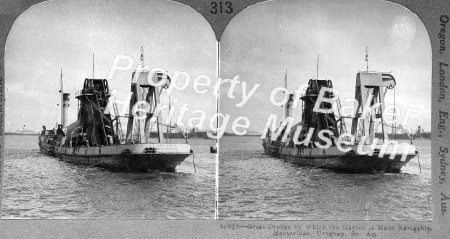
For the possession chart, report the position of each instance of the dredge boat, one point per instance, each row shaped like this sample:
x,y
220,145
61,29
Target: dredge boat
x,y
321,140
96,138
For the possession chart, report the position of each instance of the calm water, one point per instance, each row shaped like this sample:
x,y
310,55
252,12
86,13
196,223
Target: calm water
x,y
253,185
39,186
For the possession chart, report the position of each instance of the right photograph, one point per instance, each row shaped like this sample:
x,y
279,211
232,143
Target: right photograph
x,y
325,113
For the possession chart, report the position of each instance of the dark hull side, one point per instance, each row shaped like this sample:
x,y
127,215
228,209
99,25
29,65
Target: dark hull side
x,y
332,158
126,158
45,147
351,164
129,163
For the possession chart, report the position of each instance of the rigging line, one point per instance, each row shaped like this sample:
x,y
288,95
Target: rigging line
x,y
102,115
98,109
47,119
117,118
54,118
56,115
154,109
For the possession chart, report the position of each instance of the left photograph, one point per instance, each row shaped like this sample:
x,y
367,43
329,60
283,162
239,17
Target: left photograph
x,y
107,108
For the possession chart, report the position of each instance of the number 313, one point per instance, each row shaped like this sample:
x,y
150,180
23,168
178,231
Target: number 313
x,y
220,7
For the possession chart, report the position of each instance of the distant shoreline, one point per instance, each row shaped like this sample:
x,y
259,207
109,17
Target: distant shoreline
x,y
10,133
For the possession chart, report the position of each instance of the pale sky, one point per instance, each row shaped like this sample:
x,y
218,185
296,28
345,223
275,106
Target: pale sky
x,y
259,44
264,40
65,33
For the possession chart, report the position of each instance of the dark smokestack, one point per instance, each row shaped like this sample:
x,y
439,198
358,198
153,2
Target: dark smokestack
x,y
65,109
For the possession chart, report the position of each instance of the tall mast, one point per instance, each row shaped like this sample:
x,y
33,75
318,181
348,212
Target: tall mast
x,y
61,93
285,79
317,68
93,67
288,106
367,58
142,55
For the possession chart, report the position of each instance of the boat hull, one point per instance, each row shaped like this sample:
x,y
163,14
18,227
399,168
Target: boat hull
x,y
391,161
46,146
351,163
129,158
